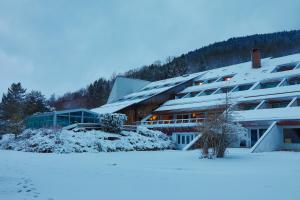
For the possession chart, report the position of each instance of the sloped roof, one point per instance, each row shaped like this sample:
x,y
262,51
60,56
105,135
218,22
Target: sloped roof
x,y
243,74
144,93
123,86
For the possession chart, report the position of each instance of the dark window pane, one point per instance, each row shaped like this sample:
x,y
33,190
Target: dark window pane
x,y
183,139
261,132
253,136
178,139
291,135
187,139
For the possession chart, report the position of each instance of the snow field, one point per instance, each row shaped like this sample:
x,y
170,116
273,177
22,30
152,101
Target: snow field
x,y
150,175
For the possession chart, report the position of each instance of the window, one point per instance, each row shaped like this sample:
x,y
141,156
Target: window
x,y
285,67
225,90
261,132
178,139
291,135
192,137
183,139
226,78
193,94
179,96
198,115
242,87
256,134
277,103
187,139
294,81
211,80
198,82
207,92
247,105
269,84
165,117
298,102
182,116
153,118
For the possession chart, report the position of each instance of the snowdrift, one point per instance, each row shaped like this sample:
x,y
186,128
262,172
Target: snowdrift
x,y
64,141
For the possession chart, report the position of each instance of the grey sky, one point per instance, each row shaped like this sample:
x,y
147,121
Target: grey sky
x,y
57,46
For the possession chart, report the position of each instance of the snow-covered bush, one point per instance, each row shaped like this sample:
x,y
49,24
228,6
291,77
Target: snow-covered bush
x,y
112,122
142,130
64,141
5,141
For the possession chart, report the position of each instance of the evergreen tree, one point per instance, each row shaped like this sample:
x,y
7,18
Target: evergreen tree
x,y
11,109
35,102
52,100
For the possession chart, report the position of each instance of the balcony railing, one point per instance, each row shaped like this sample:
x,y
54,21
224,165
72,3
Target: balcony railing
x,y
173,121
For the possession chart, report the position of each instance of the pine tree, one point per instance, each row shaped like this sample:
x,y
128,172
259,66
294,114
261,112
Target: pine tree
x,y
11,109
35,102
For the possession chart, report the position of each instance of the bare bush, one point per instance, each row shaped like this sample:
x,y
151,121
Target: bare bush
x,y
219,131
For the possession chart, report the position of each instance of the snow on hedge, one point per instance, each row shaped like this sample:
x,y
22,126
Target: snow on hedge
x,y
64,141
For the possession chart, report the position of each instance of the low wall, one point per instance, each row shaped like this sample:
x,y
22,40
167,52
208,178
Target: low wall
x,y
271,140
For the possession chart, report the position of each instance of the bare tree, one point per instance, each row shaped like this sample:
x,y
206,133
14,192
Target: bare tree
x,y
219,130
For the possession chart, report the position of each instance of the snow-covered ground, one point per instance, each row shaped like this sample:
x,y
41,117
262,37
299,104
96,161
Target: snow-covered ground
x,y
68,141
149,175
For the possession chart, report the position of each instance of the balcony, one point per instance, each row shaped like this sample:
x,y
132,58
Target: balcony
x,y
173,122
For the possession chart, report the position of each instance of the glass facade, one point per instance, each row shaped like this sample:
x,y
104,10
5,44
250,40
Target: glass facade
x,y
42,121
61,118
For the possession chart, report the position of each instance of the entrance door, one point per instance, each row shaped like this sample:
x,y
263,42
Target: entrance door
x,y
256,134
182,139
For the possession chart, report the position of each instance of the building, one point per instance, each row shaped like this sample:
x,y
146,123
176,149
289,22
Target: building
x,y
61,118
265,93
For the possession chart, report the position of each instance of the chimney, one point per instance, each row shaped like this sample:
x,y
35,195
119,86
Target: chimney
x,y
255,57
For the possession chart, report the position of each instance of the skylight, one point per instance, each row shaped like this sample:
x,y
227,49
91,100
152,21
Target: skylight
x,y
285,67
276,103
242,87
226,78
293,80
225,90
268,84
207,92
247,105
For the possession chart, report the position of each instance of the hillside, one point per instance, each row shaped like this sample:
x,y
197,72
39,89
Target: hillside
x,y
219,54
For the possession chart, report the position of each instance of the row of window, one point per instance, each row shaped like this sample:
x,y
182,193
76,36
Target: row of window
x,y
135,97
267,104
212,80
184,138
295,80
280,68
161,86
290,136
180,116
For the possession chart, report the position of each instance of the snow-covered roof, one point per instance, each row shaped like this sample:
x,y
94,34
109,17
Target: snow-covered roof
x,y
144,93
242,74
123,86
63,112
290,113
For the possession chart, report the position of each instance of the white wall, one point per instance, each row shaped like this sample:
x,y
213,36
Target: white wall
x,y
271,140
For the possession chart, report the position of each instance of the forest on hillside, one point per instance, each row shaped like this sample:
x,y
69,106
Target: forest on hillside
x,y
219,54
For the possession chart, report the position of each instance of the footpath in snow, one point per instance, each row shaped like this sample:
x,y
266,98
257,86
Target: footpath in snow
x,y
156,175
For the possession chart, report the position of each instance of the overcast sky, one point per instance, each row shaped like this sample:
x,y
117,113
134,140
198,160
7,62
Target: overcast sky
x,y
57,46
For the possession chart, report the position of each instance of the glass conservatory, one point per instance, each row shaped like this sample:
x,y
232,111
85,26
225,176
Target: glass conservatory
x,y
61,118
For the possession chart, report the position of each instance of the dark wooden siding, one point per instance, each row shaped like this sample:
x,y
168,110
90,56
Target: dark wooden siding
x,y
138,111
